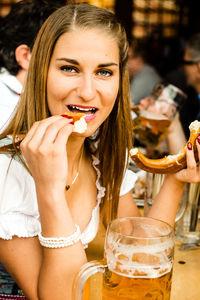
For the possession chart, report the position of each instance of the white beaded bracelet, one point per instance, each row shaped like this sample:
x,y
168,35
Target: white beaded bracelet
x,y
61,242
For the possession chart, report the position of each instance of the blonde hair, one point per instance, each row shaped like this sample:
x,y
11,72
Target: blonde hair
x,y
115,134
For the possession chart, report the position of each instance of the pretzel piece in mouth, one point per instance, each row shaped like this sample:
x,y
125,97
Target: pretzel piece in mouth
x,y
169,163
80,124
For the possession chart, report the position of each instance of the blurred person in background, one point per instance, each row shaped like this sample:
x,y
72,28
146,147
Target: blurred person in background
x,y
18,31
191,63
143,76
187,77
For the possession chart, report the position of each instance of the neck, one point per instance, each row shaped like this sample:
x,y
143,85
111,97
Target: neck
x,y
74,152
21,76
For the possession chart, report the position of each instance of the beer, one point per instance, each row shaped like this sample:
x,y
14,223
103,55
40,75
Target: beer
x,y
138,272
120,287
149,128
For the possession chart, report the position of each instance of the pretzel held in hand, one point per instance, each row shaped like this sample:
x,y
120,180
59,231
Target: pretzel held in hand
x,y
169,163
80,124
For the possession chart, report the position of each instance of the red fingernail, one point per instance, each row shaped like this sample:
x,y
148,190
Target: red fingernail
x,y
189,146
71,123
198,139
67,117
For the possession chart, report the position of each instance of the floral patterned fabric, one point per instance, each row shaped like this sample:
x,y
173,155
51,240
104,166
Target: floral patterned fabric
x,y
4,297
7,284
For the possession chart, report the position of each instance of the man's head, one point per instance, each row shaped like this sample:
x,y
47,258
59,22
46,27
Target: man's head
x,y
136,57
191,61
18,31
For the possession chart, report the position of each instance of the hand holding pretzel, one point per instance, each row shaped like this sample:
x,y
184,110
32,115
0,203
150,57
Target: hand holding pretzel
x,y
172,163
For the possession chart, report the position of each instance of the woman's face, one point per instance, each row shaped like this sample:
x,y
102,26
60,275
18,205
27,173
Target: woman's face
x,y
84,76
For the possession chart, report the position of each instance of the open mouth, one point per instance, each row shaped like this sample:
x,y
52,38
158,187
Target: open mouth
x,y
84,110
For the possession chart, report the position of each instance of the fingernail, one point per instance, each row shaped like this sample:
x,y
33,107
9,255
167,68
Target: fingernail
x,y
67,117
189,146
198,139
72,123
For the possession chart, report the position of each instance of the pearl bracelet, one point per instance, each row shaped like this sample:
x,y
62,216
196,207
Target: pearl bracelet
x,y
61,242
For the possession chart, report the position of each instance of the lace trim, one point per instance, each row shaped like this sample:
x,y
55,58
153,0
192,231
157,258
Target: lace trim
x,y
91,229
101,189
27,226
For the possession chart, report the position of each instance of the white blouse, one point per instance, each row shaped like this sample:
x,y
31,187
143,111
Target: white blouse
x,y
19,213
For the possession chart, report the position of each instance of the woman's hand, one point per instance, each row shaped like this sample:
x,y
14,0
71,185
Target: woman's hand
x,y
192,172
44,149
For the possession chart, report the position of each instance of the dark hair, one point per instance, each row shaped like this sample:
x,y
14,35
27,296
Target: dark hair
x,y
21,26
140,48
193,44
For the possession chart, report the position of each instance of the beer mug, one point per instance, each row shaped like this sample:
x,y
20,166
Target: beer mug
x,y
188,228
153,185
138,261
156,112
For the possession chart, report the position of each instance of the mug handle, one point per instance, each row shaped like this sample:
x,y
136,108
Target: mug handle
x,y
86,272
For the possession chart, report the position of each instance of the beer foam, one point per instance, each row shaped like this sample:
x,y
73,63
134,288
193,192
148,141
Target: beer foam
x,y
151,115
142,271
129,260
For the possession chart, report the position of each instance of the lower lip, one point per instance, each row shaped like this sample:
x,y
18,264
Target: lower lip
x,y
90,117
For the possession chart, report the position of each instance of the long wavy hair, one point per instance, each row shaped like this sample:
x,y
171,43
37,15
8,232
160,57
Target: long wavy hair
x,y
115,134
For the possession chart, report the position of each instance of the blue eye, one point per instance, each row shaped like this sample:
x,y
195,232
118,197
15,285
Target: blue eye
x,y
69,69
105,73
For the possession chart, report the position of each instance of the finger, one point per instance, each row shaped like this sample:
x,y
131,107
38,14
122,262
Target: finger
x,y
36,137
31,132
190,158
34,128
198,146
63,135
52,131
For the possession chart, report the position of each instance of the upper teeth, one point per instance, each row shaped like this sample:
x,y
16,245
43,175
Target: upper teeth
x,y
83,109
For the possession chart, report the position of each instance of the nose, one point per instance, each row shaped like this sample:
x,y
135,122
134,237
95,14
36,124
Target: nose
x,y
86,88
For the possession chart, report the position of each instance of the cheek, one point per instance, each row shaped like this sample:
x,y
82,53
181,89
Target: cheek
x,y
56,90
110,93
109,100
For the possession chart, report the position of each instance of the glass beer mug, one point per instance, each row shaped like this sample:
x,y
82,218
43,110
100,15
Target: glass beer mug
x,y
138,262
155,113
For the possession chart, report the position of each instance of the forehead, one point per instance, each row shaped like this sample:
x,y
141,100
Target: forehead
x,y
80,43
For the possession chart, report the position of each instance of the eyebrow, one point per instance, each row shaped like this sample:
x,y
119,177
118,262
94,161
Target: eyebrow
x,y
75,62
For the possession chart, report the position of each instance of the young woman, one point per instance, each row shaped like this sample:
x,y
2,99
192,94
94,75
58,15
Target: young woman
x,y
78,64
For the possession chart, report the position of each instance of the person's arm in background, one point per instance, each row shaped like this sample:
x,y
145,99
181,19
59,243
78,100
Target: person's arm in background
x,y
175,137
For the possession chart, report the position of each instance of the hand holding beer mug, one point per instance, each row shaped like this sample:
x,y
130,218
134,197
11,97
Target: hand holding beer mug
x,y
155,113
139,260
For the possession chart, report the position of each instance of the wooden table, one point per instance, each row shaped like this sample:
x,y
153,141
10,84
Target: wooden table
x,y
186,272
186,276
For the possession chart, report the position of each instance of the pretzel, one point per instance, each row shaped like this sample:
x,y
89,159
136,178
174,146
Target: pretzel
x,y
80,124
169,163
